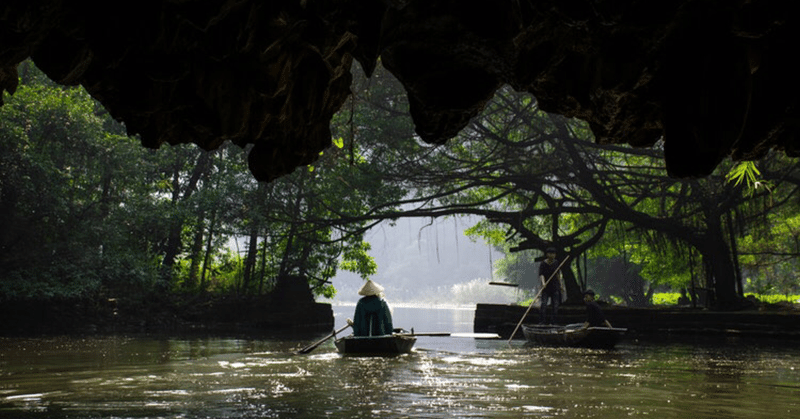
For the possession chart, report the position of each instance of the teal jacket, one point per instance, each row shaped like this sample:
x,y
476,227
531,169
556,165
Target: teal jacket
x,y
372,317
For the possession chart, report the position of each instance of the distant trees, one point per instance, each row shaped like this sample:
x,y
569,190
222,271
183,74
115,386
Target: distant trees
x,y
85,210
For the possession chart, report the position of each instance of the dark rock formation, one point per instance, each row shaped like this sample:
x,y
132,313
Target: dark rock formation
x,y
712,78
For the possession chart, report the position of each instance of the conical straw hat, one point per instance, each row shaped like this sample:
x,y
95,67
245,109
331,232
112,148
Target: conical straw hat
x,y
371,288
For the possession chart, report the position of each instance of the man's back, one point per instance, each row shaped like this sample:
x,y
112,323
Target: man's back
x,y
372,317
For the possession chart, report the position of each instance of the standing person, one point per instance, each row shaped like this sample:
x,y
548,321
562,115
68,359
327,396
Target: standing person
x,y
552,289
594,315
373,316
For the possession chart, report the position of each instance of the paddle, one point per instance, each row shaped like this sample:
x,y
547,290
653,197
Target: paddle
x,y
534,299
476,335
454,335
314,345
505,284
424,334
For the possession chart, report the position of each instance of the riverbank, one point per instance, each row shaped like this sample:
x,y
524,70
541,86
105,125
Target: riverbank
x,y
228,315
774,320
167,314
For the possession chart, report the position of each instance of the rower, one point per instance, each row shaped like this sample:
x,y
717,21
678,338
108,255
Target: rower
x,y
594,315
373,316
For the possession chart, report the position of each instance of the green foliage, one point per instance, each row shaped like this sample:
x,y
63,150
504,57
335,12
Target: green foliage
x,y
540,179
768,255
488,231
666,298
519,268
671,298
748,173
227,272
59,185
356,259
776,298
95,212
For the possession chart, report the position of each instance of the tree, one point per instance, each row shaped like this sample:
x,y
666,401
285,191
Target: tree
x,y
545,180
64,179
100,213
94,212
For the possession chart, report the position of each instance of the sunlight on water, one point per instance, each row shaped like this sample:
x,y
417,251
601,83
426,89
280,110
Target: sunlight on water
x,y
494,362
443,377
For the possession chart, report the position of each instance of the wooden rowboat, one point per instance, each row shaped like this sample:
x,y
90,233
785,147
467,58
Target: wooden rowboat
x,y
574,335
394,344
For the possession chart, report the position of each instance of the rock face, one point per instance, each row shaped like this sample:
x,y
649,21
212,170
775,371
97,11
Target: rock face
x,y
712,78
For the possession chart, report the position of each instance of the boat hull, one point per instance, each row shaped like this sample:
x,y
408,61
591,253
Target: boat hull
x,y
574,335
375,345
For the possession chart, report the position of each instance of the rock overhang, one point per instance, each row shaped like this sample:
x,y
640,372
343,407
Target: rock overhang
x,y
711,78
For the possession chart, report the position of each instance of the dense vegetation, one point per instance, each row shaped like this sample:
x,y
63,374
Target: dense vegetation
x,y
86,212
629,229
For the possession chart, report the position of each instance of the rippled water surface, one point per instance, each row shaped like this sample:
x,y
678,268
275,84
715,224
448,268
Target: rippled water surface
x,y
151,377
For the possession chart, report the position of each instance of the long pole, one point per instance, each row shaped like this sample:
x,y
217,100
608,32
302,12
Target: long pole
x,y
534,299
314,345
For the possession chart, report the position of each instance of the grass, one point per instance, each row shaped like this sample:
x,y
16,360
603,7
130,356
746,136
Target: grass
x,y
666,298
776,298
671,298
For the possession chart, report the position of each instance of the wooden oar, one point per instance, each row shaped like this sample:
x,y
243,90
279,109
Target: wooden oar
x,y
424,334
505,284
314,345
476,335
454,335
534,299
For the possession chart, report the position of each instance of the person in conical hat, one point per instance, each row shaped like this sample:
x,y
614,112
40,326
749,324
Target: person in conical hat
x,y
371,288
373,317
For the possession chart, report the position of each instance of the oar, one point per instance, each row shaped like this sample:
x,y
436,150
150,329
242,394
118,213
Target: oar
x,y
314,345
476,335
505,284
423,334
454,335
534,299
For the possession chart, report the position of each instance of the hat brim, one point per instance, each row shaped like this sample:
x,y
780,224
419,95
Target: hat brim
x,y
370,288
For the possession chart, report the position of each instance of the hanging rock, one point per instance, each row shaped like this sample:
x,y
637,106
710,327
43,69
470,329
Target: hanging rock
x,y
711,78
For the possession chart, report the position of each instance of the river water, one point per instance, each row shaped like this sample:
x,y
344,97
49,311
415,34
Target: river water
x,y
214,377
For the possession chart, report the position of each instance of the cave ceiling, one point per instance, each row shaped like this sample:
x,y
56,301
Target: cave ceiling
x,y
711,78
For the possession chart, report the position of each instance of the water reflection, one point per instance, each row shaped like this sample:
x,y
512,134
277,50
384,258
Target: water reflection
x,y
136,377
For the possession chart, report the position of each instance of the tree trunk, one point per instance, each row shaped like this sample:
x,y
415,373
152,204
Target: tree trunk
x,y
283,269
303,262
262,275
718,257
202,165
197,249
207,257
735,255
574,292
250,260
287,252
176,224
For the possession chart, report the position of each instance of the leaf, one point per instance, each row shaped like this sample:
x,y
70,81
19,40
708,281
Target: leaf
x,y
744,171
